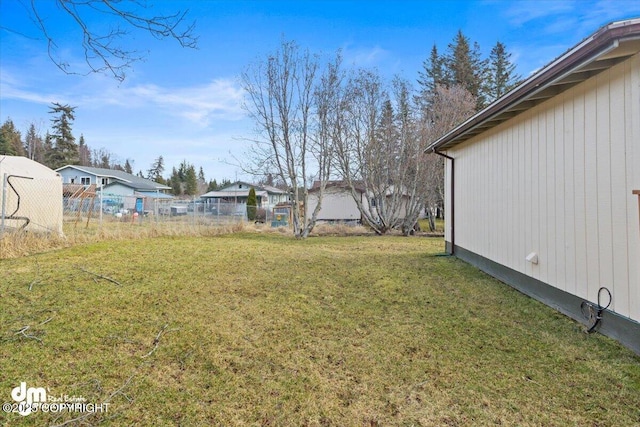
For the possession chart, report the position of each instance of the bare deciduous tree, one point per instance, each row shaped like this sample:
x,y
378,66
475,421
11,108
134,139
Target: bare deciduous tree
x,y
374,150
290,104
448,107
102,52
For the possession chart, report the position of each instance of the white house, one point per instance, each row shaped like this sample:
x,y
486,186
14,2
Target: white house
x,y
30,196
238,192
540,184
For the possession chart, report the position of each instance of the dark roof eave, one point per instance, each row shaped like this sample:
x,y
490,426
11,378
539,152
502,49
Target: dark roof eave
x,y
574,61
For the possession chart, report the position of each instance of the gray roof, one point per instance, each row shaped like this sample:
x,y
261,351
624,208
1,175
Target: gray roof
x,y
607,47
268,188
231,194
128,179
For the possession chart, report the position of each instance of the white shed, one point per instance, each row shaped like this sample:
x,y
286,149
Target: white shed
x,y
337,203
30,196
541,186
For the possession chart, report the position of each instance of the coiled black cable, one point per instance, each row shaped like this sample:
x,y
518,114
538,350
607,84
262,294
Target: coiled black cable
x,y
593,312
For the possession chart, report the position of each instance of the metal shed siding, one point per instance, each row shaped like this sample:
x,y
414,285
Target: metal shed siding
x,y
40,195
337,205
557,180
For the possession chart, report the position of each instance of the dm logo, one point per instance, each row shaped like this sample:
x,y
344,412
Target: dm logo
x,y
27,397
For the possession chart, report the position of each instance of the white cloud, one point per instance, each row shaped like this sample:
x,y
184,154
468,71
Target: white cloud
x,y
364,57
580,17
521,12
220,99
11,87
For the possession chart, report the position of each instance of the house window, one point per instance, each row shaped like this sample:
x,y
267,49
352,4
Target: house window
x,y
239,185
85,181
104,181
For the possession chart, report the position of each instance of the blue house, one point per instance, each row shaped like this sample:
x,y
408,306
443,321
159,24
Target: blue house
x,y
118,182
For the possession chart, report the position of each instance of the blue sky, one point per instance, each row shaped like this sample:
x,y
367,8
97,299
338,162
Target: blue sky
x,y
186,104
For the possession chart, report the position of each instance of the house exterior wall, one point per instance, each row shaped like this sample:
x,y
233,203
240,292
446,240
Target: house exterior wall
x,y
557,180
267,202
74,176
337,205
119,190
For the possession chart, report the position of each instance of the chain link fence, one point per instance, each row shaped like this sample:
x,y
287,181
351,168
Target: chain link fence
x,y
46,205
103,208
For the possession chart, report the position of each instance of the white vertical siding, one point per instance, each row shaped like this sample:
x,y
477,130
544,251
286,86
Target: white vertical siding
x,y
557,180
337,205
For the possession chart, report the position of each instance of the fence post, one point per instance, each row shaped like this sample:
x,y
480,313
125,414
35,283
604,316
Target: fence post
x,y
4,202
101,207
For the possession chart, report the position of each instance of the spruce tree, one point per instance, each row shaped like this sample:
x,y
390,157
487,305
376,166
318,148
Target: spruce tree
x,y
432,75
84,153
175,183
465,67
155,172
127,167
10,140
191,181
501,77
65,149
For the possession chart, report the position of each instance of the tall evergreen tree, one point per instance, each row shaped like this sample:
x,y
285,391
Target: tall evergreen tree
x,y
157,169
175,183
127,167
65,149
182,171
191,181
466,68
48,149
10,139
501,77
432,74
84,153
213,185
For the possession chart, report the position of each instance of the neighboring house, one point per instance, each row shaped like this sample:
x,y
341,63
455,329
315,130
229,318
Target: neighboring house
x,y
128,192
29,196
237,193
542,185
116,187
101,177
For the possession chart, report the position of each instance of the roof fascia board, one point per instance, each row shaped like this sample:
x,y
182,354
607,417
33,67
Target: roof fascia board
x,y
589,50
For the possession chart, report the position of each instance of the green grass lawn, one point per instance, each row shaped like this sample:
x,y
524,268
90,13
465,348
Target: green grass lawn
x,y
252,329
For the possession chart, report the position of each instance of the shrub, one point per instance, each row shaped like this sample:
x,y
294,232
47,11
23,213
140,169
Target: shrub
x,y
252,205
